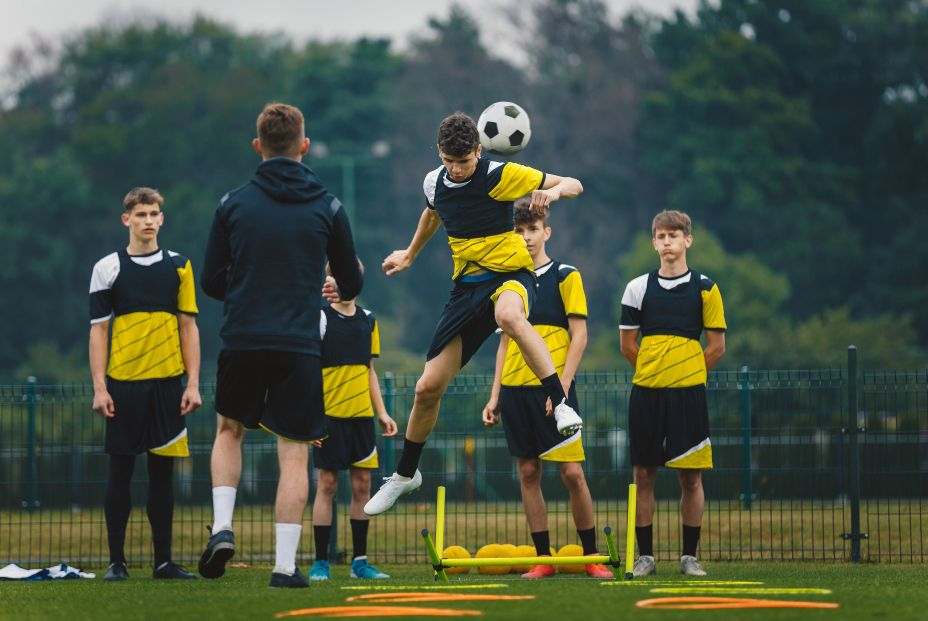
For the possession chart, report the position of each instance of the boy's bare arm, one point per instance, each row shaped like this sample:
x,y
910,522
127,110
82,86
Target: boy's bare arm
x,y
576,328
399,260
190,351
715,347
555,188
388,424
628,341
490,413
99,351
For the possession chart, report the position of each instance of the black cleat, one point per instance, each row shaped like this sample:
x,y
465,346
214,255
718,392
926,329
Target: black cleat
x,y
219,550
116,571
283,581
171,571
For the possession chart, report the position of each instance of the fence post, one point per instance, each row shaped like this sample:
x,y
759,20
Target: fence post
x,y
33,470
747,495
853,452
389,394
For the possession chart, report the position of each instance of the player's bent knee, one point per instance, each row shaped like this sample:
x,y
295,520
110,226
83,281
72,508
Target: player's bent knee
x,y
428,389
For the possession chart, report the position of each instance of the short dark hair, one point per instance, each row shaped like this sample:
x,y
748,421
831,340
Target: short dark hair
x,y
672,221
457,135
142,196
280,130
523,213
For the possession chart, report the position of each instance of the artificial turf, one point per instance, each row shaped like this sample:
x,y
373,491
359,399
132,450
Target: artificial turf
x,y
897,592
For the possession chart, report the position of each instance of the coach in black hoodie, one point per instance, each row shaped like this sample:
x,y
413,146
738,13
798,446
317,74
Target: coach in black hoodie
x,y
265,259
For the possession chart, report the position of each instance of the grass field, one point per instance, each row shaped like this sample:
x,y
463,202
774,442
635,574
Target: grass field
x,y
865,591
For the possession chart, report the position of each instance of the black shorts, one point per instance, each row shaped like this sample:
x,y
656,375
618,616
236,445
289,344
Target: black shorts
x,y
350,444
669,427
530,433
279,391
147,417
470,311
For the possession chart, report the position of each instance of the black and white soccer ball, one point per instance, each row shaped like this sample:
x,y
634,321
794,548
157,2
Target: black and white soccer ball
x,y
504,128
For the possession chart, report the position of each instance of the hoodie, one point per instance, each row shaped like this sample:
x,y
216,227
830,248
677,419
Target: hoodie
x,y
266,254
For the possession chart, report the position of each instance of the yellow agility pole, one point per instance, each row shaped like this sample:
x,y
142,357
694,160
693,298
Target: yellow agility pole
x,y
440,526
434,556
524,560
630,533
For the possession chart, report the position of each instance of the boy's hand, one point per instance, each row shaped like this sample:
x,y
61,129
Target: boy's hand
x,y
388,424
491,412
103,404
396,262
316,443
191,400
549,409
330,291
542,199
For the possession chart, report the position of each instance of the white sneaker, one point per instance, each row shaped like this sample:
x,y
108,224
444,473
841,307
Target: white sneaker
x,y
390,492
689,566
644,566
568,421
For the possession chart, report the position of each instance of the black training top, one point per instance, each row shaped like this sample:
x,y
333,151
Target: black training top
x,y
266,258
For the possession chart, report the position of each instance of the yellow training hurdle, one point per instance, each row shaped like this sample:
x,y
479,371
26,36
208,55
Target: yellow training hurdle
x,y
435,549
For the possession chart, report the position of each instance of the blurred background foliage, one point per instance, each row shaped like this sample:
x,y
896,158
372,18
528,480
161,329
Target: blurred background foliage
x,y
795,133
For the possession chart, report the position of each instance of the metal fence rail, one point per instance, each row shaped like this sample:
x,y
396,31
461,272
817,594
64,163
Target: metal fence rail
x,y
810,465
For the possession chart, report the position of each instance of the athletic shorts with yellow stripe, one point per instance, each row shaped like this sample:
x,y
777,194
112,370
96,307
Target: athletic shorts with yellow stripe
x,y
530,433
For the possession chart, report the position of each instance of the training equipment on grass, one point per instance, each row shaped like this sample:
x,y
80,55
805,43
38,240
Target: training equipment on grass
x,y
504,128
490,560
442,587
337,612
630,532
414,597
730,590
720,603
653,583
571,549
456,552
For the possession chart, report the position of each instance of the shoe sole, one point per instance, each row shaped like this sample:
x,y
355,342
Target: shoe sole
x,y
215,565
412,491
569,430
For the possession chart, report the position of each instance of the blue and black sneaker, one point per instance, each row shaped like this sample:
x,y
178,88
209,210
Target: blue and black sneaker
x,y
360,569
116,571
296,580
219,550
319,571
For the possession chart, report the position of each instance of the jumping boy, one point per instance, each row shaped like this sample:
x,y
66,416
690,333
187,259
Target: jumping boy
x,y
147,294
494,285
559,317
350,342
668,420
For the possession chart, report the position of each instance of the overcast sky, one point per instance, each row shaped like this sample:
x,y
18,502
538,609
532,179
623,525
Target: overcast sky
x,y
302,19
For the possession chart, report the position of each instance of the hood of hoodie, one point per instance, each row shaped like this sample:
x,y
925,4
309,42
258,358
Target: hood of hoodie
x,y
287,180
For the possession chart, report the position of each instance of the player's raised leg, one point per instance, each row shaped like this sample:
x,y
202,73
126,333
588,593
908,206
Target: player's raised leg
x,y
438,373
512,319
226,468
292,494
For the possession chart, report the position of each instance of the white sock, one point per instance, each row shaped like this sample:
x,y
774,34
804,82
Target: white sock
x,y
288,540
223,508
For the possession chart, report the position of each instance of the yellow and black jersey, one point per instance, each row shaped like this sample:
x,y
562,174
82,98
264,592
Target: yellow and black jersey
x,y
477,215
559,295
142,295
671,314
348,345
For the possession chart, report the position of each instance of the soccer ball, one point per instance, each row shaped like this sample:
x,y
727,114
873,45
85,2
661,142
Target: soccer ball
x,y
504,128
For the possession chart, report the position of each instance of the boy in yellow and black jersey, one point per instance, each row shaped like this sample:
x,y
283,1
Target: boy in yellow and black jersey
x,y
147,294
559,317
494,285
668,418
350,342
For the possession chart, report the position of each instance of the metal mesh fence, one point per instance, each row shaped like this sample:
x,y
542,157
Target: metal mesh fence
x,y
789,461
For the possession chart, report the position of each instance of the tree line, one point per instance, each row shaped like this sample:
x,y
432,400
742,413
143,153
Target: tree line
x,y
795,133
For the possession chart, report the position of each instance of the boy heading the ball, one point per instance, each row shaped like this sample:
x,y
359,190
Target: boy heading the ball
x,y
559,317
668,420
494,282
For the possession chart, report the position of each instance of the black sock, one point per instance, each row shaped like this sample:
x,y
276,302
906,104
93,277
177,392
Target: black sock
x,y
690,539
645,537
117,504
321,536
588,540
160,506
542,541
552,386
359,537
409,460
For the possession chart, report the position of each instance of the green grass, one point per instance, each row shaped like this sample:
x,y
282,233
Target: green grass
x,y
863,591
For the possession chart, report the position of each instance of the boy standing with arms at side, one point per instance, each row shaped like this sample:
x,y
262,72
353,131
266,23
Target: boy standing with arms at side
x,y
668,419
559,317
350,342
148,295
494,285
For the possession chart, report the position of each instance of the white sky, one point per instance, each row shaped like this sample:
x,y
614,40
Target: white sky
x,y
20,20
